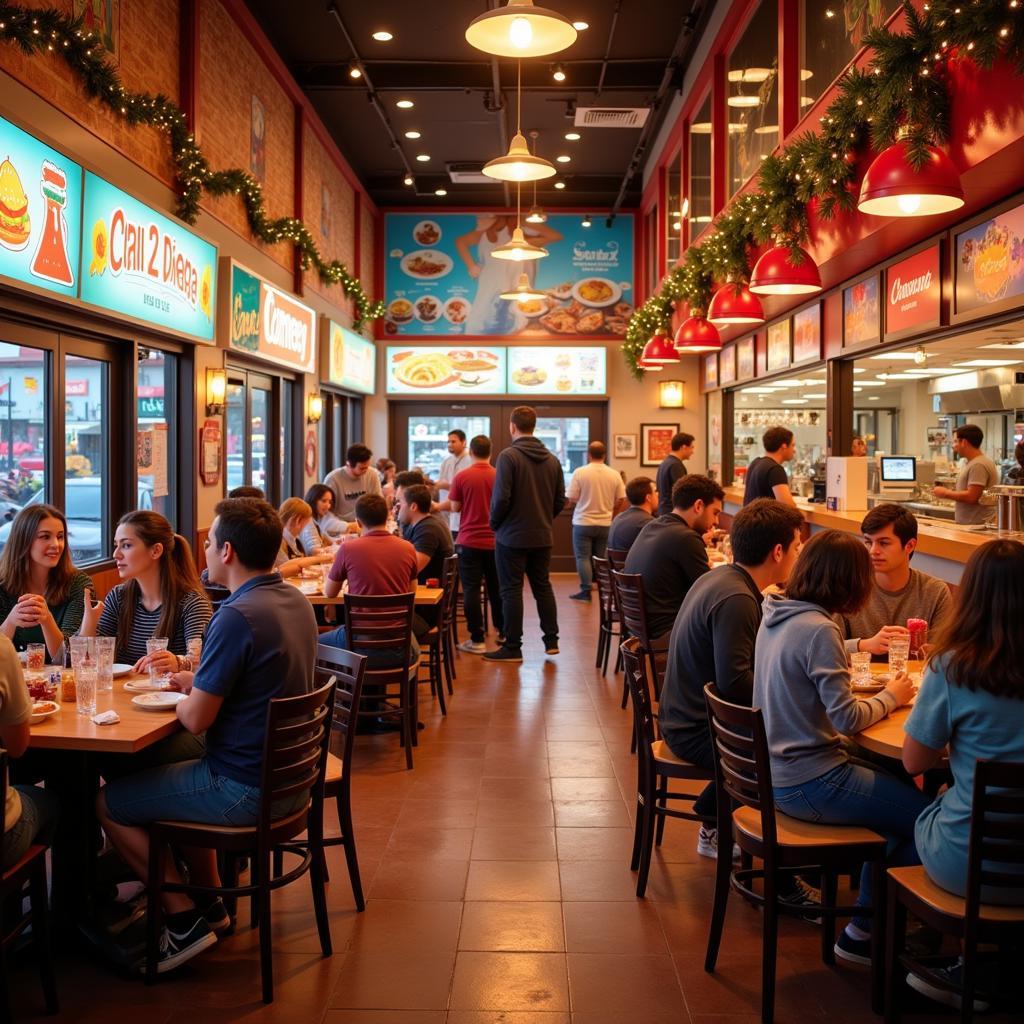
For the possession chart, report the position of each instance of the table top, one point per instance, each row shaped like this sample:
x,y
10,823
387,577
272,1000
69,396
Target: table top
x,y
68,730
425,596
886,737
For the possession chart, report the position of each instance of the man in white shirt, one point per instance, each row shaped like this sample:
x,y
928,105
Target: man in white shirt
x,y
457,459
598,494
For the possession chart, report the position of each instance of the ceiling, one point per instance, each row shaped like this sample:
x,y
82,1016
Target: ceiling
x,y
632,55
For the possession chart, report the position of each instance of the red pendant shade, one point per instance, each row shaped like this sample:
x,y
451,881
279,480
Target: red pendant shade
x,y
660,350
697,335
735,304
648,366
893,188
775,273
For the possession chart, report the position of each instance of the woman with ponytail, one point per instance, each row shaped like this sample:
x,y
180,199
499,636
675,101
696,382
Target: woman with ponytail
x,y
160,595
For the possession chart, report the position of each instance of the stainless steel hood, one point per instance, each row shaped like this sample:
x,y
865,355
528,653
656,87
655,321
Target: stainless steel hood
x,y
983,390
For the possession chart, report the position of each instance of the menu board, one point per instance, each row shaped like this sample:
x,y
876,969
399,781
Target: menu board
x,y
989,262
861,313
445,371
913,294
144,264
351,359
441,279
727,364
778,346
40,213
807,334
556,371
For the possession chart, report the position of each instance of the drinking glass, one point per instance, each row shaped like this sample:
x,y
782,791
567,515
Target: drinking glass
x,y
158,678
85,687
899,651
194,650
83,648
105,663
918,631
35,658
860,668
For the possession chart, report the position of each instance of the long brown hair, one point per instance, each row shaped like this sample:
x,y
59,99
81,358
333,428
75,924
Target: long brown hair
x,y
178,574
16,561
834,572
983,642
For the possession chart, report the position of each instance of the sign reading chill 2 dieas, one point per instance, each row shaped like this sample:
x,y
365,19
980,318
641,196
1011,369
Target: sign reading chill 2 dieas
x,y
144,264
270,324
40,212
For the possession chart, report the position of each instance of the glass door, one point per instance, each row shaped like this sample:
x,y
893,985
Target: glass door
x,y
257,431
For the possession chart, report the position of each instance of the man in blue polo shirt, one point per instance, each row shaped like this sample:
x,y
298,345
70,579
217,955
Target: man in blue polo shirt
x,y
261,644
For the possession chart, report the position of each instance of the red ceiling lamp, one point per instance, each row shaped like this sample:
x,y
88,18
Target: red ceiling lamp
x,y
659,350
734,303
776,272
893,187
649,366
697,334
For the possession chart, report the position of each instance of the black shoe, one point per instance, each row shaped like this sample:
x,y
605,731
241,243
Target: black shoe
x,y
510,654
801,897
944,984
854,951
217,917
175,949
551,648
583,595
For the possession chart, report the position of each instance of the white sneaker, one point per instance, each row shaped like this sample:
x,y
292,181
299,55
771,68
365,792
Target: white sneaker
x,y
707,844
470,647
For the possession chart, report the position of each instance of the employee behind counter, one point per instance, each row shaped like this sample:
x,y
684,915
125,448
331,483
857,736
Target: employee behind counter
x,y
978,474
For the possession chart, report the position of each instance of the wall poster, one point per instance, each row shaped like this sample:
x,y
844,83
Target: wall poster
x,y
807,334
656,442
727,365
710,371
988,263
778,346
861,313
746,354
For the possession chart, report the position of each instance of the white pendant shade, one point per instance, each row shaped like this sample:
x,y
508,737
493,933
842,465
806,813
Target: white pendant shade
x,y
519,164
536,215
523,292
518,249
521,29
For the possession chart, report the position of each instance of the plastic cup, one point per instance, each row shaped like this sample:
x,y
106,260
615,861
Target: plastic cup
x,y
860,667
158,678
105,663
435,583
85,688
918,630
35,658
899,652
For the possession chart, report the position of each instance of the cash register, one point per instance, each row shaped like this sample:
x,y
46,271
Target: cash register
x,y
897,477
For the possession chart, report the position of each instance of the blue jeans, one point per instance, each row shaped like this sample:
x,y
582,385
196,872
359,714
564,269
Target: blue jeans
x,y
587,541
857,793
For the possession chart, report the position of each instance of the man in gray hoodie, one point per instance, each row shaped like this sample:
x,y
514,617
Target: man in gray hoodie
x,y
529,491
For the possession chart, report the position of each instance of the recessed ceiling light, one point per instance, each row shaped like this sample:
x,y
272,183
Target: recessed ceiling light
x,y
677,225
407,180
405,104
559,184
423,157
805,74
743,100
558,73
702,219
815,396
412,135
987,362
1006,346
440,191
563,158
383,36
767,129
874,398
572,136
354,71
806,101
894,355
797,401
580,26
749,75
700,128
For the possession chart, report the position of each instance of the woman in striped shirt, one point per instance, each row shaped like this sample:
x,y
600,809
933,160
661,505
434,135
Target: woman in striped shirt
x,y
160,595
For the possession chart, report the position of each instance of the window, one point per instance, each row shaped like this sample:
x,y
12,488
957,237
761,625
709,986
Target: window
x,y
830,36
259,432
236,434
566,437
753,96
427,445
698,189
257,436
86,469
155,398
285,462
673,211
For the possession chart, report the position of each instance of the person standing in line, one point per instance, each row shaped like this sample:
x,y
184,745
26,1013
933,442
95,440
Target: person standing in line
x,y
598,494
642,496
529,491
672,468
351,481
457,459
765,476
470,497
977,475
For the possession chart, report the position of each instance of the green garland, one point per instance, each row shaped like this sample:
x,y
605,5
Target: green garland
x,y
906,84
51,31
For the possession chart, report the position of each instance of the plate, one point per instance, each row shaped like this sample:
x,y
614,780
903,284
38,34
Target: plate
x,y
426,264
142,685
50,708
427,232
428,309
596,292
122,670
165,700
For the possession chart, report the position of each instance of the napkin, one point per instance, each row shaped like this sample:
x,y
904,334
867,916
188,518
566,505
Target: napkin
x,y
107,718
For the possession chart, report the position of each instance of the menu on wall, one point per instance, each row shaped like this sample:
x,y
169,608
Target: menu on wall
x,y
778,346
144,264
351,359
444,370
989,264
861,313
441,278
913,293
565,371
807,334
40,212
269,323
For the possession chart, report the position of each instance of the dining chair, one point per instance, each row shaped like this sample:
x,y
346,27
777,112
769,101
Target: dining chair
x,y
995,856
30,871
436,645
616,559
294,763
785,845
608,628
656,765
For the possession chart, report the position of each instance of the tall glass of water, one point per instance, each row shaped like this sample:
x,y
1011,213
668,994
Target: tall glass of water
x,y
158,678
105,663
899,652
85,687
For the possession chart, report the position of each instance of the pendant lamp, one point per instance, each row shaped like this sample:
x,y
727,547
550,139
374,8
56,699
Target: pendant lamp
x,y
517,248
523,291
660,350
734,303
521,29
650,367
518,164
536,214
775,273
696,335
892,187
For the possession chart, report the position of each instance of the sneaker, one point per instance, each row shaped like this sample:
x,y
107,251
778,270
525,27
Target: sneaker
x,y
509,654
944,984
175,949
123,915
473,647
707,844
217,917
502,639
583,595
854,951
800,896
551,648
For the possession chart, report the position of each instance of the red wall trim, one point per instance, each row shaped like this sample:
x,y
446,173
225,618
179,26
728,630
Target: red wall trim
x,y
789,65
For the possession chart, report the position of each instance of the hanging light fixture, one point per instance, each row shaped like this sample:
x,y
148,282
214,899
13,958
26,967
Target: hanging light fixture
x,y
536,214
518,164
521,29
523,291
892,187
650,367
517,249
775,273
734,303
660,350
697,334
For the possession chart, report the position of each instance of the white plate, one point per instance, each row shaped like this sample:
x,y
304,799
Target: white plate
x,y
413,262
122,670
142,686
616,293
427,226
42,716
165,700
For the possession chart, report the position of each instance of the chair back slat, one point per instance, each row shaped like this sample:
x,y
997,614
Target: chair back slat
x,y
616,559
450,586
634,667
629,588
349,670
603,575
381,624
996,844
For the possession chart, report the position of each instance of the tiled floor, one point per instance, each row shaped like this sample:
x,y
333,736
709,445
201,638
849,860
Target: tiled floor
x,y
498,888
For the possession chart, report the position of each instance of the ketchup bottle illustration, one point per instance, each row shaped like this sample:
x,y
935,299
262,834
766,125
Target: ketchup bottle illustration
x,y
51,260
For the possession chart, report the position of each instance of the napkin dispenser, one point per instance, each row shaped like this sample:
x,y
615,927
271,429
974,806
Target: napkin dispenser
x,y
846,483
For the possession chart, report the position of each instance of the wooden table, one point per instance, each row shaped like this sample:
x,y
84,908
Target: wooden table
x,y
886,737
425,596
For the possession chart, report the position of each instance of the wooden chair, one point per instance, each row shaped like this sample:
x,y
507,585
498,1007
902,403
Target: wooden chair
x,y
656,766
30,870
616,559
995,855
608,626
382,625
617,563
294,764
436,645
784,844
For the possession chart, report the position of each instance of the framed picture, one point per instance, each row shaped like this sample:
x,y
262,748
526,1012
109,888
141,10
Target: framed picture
x,y
258,139
711,371
656,442
745,355
862,321
988,275
624,446
778,346
727,365
104,18
807,334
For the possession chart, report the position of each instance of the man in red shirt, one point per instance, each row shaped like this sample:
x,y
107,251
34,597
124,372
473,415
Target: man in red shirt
x,y
470,496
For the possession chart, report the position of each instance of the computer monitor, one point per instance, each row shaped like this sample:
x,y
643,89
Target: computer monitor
x,y
897,473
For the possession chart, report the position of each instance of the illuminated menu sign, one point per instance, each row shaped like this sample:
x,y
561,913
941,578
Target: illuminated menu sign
x,y
141,263
40,213
535,370
913,293
269,323
351,359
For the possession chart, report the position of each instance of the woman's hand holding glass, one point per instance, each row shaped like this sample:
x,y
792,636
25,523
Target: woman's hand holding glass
x,y
879,643
161,662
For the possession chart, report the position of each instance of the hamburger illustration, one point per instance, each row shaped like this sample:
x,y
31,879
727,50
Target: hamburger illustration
x,y
15,224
